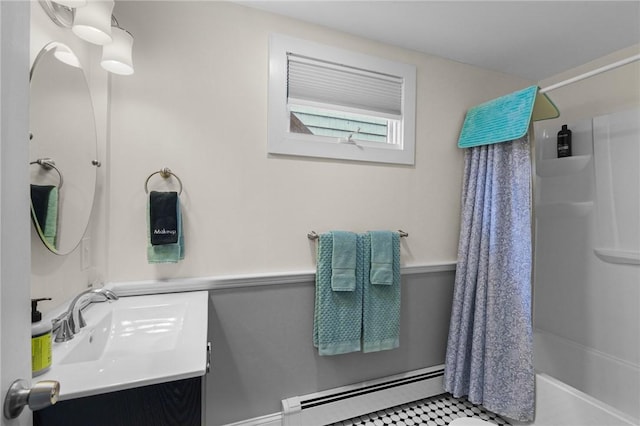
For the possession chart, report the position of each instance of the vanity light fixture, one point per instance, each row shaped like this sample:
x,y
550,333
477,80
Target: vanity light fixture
x,y
116,56
65,55
72,4
93,21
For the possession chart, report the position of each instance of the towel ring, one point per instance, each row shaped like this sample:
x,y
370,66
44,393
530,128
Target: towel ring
x,y
314,236
166,173
48,164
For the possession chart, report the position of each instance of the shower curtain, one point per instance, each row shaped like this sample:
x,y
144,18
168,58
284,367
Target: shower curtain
x,y
490,345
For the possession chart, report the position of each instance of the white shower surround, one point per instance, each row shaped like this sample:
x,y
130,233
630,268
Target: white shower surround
x,y
586,306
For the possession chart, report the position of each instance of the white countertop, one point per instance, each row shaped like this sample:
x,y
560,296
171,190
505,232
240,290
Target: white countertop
x,y
131,342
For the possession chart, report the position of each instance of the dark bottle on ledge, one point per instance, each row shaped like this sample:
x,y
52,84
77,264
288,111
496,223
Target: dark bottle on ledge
x,y
564,142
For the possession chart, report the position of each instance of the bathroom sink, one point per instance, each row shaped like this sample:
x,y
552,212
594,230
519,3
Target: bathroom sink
x,y
131,342
91,342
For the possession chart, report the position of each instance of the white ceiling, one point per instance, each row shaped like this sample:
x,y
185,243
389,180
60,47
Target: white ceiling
x,y
530,39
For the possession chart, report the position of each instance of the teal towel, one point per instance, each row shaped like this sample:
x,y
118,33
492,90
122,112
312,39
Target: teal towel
x,y
44,209
381,257
343,262
337,320
166,253
381,305
499,120
50,230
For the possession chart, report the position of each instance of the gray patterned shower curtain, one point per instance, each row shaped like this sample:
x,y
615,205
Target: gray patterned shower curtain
x,y
490,348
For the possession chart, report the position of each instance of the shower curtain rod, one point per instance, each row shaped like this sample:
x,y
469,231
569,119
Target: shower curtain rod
x,y
586,75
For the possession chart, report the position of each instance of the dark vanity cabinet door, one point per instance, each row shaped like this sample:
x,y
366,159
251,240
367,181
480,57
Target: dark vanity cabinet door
x,y
176,403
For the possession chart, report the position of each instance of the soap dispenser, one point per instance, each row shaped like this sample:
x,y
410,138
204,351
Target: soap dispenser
x,y
40,340
564,142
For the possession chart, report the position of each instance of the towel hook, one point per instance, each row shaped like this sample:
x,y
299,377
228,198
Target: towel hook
x,y
48,164
166,173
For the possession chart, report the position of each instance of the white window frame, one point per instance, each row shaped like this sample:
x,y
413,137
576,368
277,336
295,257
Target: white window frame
x,y
281,141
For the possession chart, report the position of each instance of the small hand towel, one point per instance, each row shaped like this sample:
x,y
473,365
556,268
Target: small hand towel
x,y
163,217
381,257
168,229
343,261
44,202
337,321
381,304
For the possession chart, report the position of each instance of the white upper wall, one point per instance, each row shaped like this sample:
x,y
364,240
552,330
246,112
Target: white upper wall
x,y
197,104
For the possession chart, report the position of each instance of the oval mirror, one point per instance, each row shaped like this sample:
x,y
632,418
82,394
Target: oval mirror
x,y
63,148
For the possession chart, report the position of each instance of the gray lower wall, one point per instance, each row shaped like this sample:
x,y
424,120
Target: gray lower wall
x,y
263,351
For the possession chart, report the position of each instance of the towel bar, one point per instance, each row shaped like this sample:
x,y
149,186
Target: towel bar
x,y
314,236
165,172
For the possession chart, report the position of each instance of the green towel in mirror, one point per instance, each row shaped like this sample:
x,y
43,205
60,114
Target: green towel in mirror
x,y
44,205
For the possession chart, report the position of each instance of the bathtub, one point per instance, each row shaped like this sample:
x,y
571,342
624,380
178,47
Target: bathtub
x,y
558,404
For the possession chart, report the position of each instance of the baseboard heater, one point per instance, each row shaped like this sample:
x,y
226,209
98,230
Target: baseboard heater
x,y
343,403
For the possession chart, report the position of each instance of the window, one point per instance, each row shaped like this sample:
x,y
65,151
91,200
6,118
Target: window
x,y
332,103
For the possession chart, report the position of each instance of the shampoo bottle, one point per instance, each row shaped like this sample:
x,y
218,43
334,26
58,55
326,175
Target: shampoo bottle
x,y
564,142
40,340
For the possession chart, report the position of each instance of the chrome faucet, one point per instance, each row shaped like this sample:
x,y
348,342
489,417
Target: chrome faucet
x,y
70,323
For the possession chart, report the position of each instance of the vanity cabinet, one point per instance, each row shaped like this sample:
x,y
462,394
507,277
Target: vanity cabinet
x,y
165,404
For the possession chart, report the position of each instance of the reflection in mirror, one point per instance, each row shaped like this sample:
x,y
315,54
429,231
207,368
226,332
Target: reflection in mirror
x,y
63,148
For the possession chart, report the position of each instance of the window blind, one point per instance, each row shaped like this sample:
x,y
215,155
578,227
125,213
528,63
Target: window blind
x,y
315,80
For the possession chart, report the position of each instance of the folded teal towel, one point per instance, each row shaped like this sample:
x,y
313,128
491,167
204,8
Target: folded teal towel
x,y
337,320
343,261
381,304
381,257
166,253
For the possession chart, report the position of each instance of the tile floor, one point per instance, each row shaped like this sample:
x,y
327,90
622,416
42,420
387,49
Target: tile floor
x,y
438,410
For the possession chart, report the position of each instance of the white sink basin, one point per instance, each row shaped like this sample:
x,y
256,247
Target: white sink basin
x,y
133,341
91,342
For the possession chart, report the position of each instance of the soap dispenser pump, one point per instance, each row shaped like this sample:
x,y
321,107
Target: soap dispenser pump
x,y
40,340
